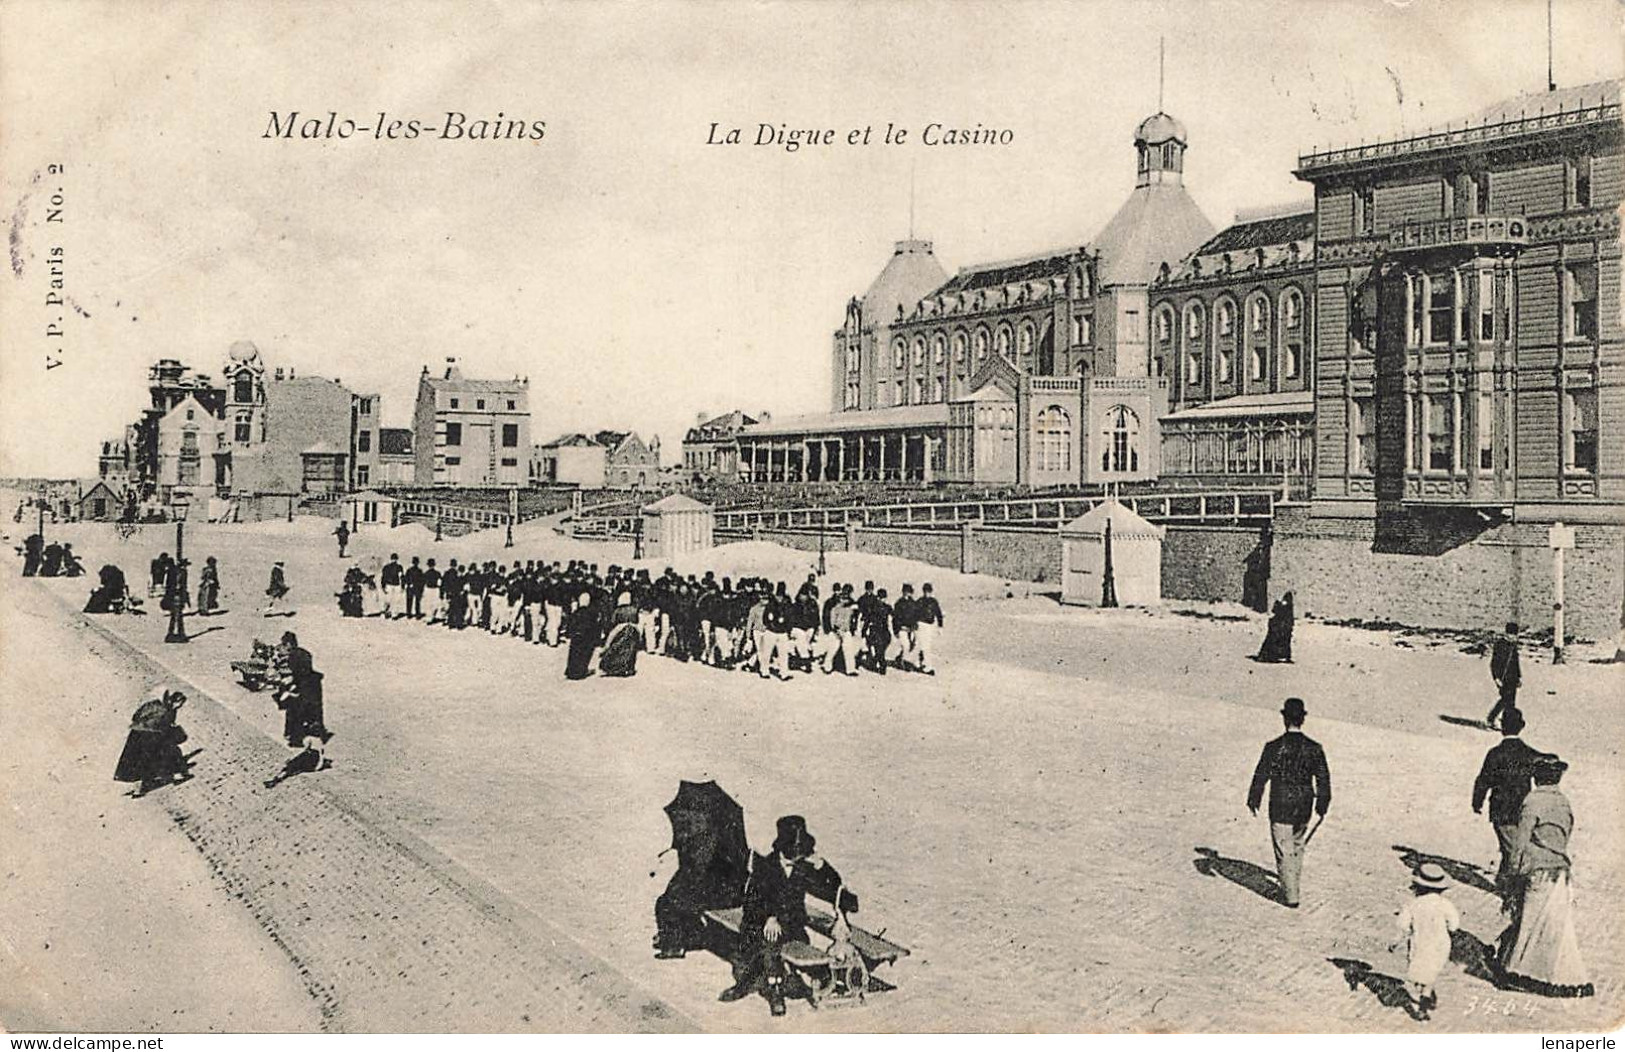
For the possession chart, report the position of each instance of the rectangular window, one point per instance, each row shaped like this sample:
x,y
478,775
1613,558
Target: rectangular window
x,y
1365,439
510,436
1440,306
1132,333
1464,311
1481,193
1581,279
1294,360
366,407
1580,182
1413,298
362,474
510,462
241,431
453,461
919,390
511,403
1365,210
454,403
479,403
1438,432
1413,432
899,396
1486,306
363,442
98,507
454,434
1447,197
1255,368
1486,431
1582,444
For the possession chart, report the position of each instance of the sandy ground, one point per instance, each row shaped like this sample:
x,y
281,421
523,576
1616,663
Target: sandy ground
x,y
109,919
1054,825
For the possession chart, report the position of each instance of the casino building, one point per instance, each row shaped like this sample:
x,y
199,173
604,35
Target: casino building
x,y
1034,371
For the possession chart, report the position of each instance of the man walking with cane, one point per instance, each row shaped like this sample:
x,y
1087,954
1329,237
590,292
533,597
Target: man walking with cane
x,y
1294,767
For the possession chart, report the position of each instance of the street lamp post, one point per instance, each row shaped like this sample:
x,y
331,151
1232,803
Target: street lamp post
x,y
176,587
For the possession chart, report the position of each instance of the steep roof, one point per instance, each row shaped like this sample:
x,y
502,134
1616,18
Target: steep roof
x,y
910,274
1241,237
1158,224
997,275
574,439
676,502
1125,522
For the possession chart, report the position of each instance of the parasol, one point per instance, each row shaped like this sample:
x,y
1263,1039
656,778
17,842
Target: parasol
x,y
708,834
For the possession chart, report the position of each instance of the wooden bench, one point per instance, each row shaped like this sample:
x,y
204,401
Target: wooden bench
x,y
825,974
255,671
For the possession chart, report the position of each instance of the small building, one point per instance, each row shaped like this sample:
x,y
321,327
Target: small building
x,y
675,525
369,508
101,503
1135,561
711,447
629,462
569,460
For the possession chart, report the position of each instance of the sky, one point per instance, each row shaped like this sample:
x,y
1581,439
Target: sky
x,y
638,275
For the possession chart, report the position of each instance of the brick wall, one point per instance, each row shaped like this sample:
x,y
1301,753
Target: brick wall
x,y
1503,574
1206,564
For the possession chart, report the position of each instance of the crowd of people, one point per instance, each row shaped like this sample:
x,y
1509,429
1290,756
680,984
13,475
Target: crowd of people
x,y
49,560
754,624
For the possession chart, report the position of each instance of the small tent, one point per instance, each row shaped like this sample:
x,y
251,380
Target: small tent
x,y
677,524
1111,556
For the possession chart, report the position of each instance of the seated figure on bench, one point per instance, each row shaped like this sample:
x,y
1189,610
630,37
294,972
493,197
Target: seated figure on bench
x,y
775,909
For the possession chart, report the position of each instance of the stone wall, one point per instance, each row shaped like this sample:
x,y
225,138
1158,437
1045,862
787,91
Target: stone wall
x,y
1502,574
1203,563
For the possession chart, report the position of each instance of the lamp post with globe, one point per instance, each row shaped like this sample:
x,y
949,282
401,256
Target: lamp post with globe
x,y
176,586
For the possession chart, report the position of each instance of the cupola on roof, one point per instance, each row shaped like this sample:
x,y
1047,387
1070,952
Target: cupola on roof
x,y
1158,129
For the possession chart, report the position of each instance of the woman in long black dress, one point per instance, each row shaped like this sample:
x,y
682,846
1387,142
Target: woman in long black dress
x,y
152,750
208,587
1277,646
581,624
620,657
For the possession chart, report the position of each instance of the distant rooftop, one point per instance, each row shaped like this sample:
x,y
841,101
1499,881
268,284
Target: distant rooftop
x,y
1512,118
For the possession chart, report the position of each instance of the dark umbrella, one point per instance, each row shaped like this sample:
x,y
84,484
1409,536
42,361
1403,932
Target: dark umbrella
x,y
708,834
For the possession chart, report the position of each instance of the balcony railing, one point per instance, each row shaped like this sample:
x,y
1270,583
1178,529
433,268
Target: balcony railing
x,y
1463,232
1602,112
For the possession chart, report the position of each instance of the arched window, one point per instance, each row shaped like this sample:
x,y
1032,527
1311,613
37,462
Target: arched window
x,y
1224,318
244,391
919,350
1120,448
1024,342
1001,341
960,342
897,354
1193,322
1291,308
1163,324
939,349
981,345
1258,314
1054,433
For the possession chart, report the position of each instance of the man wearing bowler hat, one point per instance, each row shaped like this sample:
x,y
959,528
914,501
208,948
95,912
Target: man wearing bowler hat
x,y
1294,766
775,909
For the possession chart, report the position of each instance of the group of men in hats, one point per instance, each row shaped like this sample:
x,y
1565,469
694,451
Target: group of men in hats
x,y
754,624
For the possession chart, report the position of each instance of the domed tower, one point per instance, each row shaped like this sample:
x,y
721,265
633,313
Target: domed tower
x,y
1160,141
245,394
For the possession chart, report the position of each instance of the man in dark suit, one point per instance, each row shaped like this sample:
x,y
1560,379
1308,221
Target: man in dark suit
x,y
1505,779
775,908
1506,672
1294,766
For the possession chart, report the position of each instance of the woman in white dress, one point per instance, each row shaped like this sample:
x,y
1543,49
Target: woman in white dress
x,y
1541,952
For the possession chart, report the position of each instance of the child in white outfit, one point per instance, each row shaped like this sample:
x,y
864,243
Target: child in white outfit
x,y
1427,921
